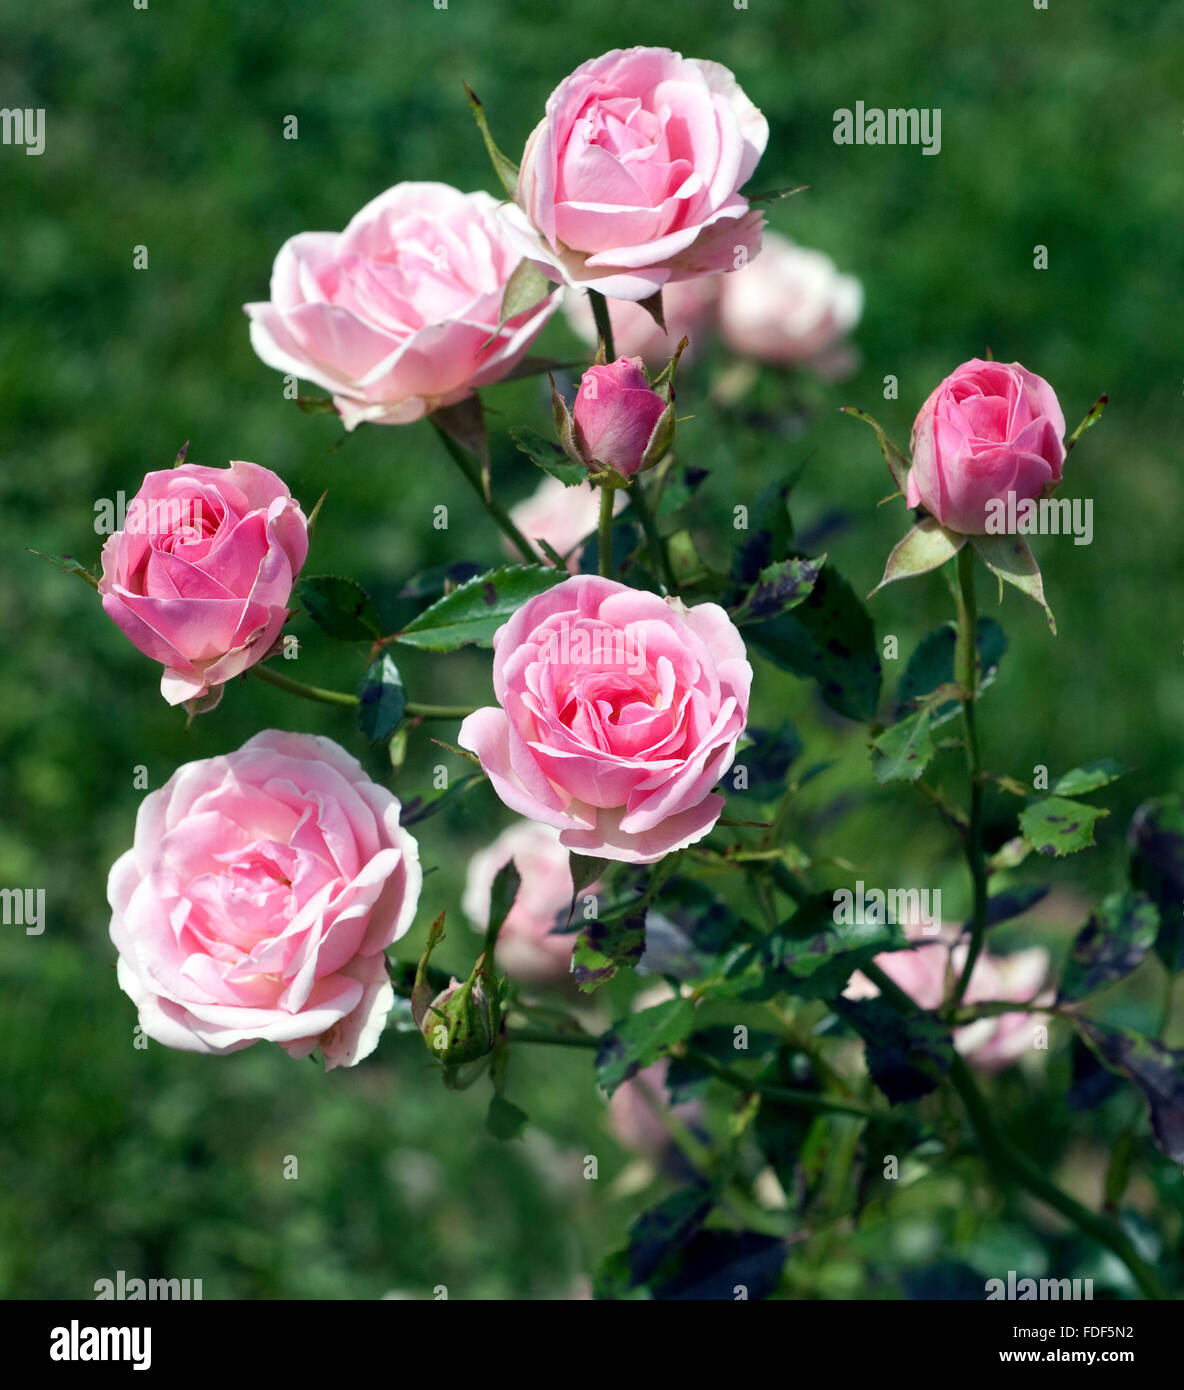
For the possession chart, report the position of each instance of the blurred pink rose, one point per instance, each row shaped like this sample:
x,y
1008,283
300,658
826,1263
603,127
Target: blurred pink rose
x,y
634,1111
616,414
619,712
257,900
562,516
790,305
688,307
394,315
200,577
988,1043
988,429
526,949
630,181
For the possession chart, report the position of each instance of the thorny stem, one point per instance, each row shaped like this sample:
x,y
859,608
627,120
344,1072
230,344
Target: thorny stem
x,y
343,697
966,675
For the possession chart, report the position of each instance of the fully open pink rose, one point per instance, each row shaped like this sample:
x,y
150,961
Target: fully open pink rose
x,y
615,415
527,949
398,315
630,180
988,429
200,577
688,307
258,898
790,305
989,1043
562,516
619,712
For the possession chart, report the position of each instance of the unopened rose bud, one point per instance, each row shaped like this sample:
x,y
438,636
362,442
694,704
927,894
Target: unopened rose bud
x,y
463,1022
619,420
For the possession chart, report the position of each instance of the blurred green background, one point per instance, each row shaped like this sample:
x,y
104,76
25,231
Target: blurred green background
x,y
164,128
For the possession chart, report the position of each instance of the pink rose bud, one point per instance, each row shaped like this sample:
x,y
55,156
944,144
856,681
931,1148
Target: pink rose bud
x,y
399,314
616,418
618,713
463,1022
258,899
631,180
201,575
989,429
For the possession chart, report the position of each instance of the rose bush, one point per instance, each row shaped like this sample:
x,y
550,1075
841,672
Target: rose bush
x,y
201,576
258,899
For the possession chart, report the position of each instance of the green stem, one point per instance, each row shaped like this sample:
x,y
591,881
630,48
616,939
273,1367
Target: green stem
x,y
495,509
604,535
654,538
604,326
786,1095
546,1036
1020,1167
966,674
342,697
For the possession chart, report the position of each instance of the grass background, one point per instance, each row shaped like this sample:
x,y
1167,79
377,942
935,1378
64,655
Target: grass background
x,y
1060,128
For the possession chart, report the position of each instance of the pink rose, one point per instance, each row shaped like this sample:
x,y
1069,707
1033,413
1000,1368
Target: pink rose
x,y
988,429
200,577
989,1043
396,314
688,307
616,416
562,516
526,948
257,900
630,181
790,305
620,711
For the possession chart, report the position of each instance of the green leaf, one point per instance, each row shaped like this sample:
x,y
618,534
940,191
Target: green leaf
x,y
1089,777
903,752
1058,826
68,565
828,638
475,611
717,1263
1156,841
526,287
678,487
503,894
932,665
504,1119
505,169
463,424
898,464
1111,944
661,1232
770,531
1092,416
781,586
382,701
926,547
1157,1071
640,1039
340,607
1010,558
549,456
603,948
907,1054
418,810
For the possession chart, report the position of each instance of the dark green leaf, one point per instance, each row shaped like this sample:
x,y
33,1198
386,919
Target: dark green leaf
x,y
506,884
1012,902
640,1039
382,700
781,586
767,756
907,1054
1156,841
1110,945
504,1119
769,534
658,1234
726,1265
526,287
67,565
828,638
678,488
1058,826
932,665
1089,777
602,948
1157,1071
903,752
549,456
340,607
475,611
